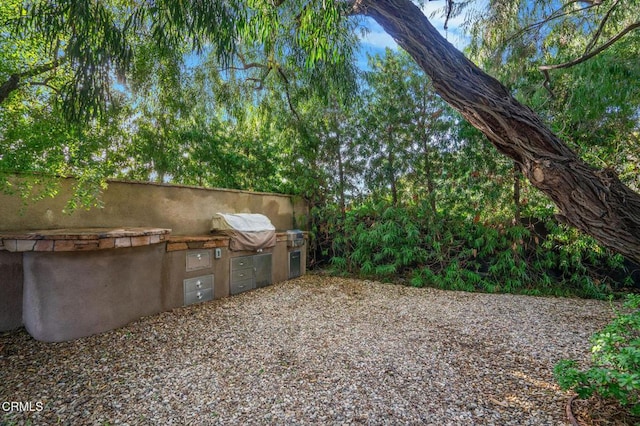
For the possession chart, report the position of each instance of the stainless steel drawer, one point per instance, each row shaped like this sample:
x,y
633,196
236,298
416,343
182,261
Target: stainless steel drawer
x,y
241,262
198,296
200,259
240,286
198,283
242,274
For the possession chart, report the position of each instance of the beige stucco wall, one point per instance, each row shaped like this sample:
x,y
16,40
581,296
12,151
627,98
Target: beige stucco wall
x,y
68,295
11,278
185,210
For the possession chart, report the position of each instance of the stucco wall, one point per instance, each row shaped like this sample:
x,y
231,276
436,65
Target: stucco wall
x,y
76,294
10,290
185,210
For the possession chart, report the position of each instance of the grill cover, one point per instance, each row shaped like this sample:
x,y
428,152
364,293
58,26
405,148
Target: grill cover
x,y
248,231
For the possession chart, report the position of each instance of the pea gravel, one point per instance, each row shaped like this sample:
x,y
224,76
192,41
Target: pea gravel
x,y
314,350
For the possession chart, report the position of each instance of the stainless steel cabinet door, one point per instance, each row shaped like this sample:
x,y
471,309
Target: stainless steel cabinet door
x,y
262,264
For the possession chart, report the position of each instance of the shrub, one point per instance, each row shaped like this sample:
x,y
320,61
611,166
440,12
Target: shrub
x,y
439,249
615,373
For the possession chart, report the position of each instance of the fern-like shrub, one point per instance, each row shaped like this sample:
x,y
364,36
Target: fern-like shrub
x,y
453,252
381,243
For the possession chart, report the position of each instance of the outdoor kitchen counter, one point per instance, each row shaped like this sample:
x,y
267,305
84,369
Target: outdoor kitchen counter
x,y
82,281
80,239
190,242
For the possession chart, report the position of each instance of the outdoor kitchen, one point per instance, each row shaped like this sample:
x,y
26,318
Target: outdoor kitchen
x,y
149,248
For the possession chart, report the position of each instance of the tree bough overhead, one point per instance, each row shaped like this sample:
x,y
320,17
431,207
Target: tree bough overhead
x,y
594,201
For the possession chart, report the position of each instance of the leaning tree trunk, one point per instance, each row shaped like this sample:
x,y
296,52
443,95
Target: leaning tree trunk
x,y
594,201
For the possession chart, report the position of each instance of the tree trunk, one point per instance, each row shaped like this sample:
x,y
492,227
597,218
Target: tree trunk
x,y
9,86
431,187
341,179
426,158
391,166
341,174
594,201
516,193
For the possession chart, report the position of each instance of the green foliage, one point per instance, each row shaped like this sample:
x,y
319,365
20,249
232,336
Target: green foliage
x,y
448,252
447,215
98,38
615,370
264,96
385,245
584,103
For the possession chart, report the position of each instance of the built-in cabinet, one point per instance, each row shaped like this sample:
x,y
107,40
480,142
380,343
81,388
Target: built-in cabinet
x,y
295,265
198,259
262,268
249,272
241,274
200,288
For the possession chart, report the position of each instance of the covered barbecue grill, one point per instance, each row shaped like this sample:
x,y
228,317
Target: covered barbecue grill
x,y
247,231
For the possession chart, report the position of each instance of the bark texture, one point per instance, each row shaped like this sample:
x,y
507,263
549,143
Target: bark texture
x,y
594,201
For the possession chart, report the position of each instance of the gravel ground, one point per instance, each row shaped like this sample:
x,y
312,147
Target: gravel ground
x,y
314,350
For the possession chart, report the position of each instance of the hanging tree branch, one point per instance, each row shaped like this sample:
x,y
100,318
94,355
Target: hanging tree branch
x,y
560,13
593,53
588,54
286,83
260,81
598,32
246,65
449,12
45,83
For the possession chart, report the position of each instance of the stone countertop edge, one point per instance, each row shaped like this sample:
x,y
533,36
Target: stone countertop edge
x,y
219,235
215,239
81,239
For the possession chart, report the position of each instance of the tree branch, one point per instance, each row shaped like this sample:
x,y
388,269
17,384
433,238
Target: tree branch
x,y
593,53
449,11
248,66
13,83
555,15
596,36
259,82
45,84
286,83
547,83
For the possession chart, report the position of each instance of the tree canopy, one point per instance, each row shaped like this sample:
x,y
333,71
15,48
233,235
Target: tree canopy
x,y
89,68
